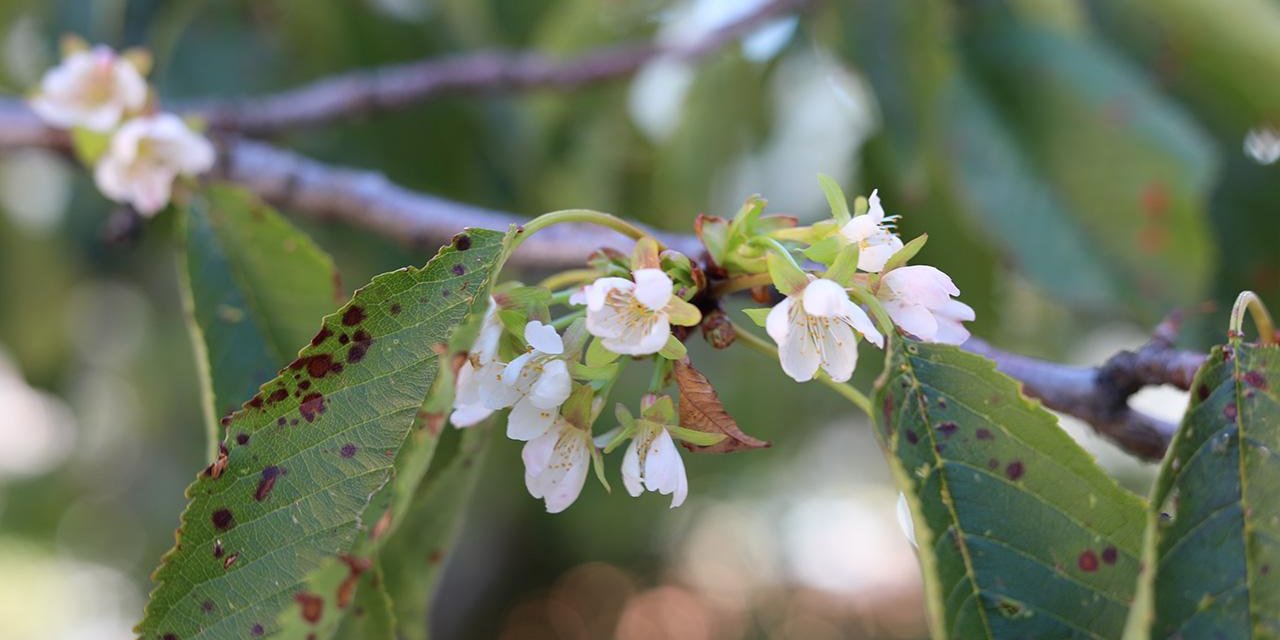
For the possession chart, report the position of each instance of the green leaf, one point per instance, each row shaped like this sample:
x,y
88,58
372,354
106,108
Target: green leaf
x,y
673,349
906,253
377,618
835,198
1020,534
787,277
253,286
696,438
1214,521
826,249
318,442
758,316
422,544
1081,170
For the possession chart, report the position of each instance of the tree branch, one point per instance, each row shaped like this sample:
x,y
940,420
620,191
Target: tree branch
x,y
399,86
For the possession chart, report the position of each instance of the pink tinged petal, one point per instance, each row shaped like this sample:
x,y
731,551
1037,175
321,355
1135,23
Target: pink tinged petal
x,y
824,298
544,338
839,352
631,474
873,257
579,297
914,319
537,455
528,421
778,323
568,473
863,324
955,310
151,190
109,178
951,332
552,387
653,288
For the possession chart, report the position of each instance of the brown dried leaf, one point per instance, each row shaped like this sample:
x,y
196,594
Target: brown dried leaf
x,y
701,410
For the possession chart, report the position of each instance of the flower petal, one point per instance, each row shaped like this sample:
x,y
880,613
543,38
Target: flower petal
x,y
527,421
543,337
824,298
631,474
552,387
914,319
855,316
799,356
778,323
653,288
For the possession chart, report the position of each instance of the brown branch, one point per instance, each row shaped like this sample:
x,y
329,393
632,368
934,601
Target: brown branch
x,y
399,86
1100,395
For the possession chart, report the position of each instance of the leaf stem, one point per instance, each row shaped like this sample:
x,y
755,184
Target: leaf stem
x,y
758,344
567,278
863,295
1261,317
589,216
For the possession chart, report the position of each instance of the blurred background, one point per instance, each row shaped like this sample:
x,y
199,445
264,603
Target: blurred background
x,y
1082,167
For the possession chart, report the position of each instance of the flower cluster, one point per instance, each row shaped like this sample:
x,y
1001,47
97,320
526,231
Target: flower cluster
x,y
103,99
553,375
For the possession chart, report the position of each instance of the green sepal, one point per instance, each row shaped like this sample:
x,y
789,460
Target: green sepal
x,y
744,222
905,254
660,409
577,409
598,355
89,145
645,254
713,231
835,199
759,316
597,464
673,349
786,276
514,321
826,249
845,265
585,372
575,337
695,438
682,313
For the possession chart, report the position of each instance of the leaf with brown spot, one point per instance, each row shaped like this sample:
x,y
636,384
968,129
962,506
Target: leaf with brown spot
x,y
701,410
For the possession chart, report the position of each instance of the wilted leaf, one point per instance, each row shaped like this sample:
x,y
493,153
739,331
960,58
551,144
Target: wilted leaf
x,y
306,454
1020,534
701,410
1213,543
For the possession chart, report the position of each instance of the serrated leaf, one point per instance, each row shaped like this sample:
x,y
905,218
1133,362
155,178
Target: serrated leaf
x,y
253,286
423,543
1213,539
701,410
1020,534
320,440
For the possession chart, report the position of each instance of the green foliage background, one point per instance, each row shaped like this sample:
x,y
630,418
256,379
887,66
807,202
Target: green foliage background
x,y
1076,163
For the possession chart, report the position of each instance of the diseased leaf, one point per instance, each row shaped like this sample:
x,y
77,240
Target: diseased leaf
x,y
372,617
701,410
253,286
422,544
305,455
1020,534
1213,543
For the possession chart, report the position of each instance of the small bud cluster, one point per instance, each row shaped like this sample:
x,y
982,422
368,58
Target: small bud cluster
x,y
137,152
554,374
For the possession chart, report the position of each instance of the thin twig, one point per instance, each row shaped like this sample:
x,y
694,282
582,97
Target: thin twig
x,y
399,86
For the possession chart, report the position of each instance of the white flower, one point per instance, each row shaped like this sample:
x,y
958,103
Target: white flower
x,y
653,462
144,158
468,409
93,89
556,464
635,317
876,241
904,519
815,327
534,385
918,299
